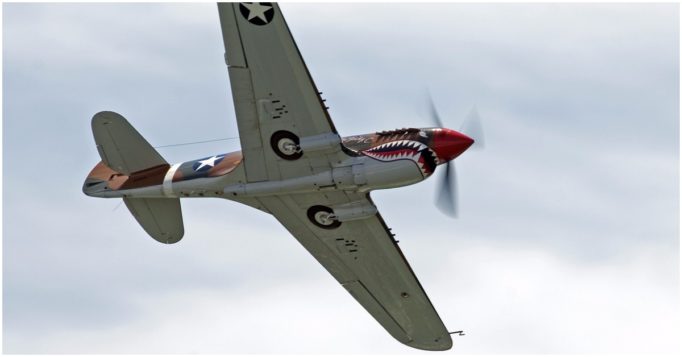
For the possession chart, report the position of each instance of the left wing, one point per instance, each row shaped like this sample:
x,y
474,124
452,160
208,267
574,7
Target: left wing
x,y
363,256
273,92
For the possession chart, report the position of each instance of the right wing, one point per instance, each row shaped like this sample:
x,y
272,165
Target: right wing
x,y
272,91
364,258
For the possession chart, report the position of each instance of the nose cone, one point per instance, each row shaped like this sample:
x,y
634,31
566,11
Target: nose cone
x,y
448,144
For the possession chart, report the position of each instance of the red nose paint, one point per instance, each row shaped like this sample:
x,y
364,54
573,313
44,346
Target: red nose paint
x,y
448,144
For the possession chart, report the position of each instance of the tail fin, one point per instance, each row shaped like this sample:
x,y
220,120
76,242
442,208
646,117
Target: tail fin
x,y
124,150
120,146
161,218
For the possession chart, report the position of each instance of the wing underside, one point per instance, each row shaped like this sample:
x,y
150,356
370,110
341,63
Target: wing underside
x,y
363,256
272,91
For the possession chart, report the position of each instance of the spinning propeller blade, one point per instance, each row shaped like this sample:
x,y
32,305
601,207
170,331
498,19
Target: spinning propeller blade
x,y
446,196
473,128
435,118
446,201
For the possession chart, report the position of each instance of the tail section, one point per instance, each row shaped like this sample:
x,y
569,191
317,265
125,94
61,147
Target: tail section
x,y
128,162
121,147
161,218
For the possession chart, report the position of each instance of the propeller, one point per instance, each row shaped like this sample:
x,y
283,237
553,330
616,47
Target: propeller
x,y
473,128
446,199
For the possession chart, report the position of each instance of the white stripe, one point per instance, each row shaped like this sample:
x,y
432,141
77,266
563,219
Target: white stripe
x,y
168,181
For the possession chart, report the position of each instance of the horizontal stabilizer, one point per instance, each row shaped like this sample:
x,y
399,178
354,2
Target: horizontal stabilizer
x,y
120,146
161,218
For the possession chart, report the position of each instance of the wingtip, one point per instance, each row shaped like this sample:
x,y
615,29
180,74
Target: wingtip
x,y
442,343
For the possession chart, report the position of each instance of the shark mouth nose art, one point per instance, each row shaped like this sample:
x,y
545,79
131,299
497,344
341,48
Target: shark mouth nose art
x,y
425,158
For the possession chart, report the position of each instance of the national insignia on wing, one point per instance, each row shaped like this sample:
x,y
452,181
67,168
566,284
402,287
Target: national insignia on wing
x,y
257,13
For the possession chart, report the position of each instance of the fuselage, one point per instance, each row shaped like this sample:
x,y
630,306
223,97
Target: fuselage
x,y
374,161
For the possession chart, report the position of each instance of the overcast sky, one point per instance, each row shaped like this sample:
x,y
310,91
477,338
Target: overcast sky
x,y
568,240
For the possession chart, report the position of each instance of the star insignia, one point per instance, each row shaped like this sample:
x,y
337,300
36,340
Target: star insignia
x,y
208,162
257,13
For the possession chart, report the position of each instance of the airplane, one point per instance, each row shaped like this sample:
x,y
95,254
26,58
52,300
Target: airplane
x,y
295,166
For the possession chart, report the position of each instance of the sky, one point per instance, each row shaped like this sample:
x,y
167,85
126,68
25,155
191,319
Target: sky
x,y
568,235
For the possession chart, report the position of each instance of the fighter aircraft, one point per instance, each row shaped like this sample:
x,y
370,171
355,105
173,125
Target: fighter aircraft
x,y
295,166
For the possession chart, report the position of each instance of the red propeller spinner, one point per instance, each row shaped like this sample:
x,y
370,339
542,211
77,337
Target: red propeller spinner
x,y
448,144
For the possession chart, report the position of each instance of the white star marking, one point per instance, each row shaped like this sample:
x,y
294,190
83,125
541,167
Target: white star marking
x,y
257,10
208,162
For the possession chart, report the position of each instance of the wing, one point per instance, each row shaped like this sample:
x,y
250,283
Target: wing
x,y
363,256
273,93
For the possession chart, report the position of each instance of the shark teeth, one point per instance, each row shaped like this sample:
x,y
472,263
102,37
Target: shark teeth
x,y
400,144
421,154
